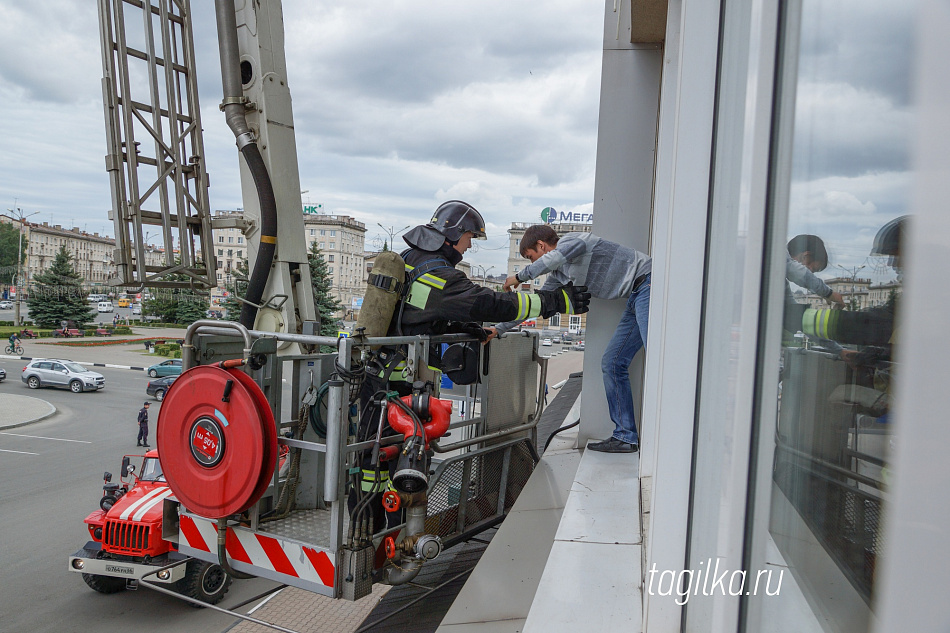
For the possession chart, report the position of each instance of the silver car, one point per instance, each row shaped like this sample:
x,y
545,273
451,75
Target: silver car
x,y
54,372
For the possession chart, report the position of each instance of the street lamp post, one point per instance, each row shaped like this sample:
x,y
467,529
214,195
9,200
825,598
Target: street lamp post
x,y
18,282
392,233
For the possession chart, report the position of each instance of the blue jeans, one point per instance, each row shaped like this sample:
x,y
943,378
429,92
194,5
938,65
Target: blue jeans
x,y
630,336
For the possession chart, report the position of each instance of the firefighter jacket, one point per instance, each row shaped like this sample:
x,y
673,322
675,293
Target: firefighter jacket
x,y
442,295
865,327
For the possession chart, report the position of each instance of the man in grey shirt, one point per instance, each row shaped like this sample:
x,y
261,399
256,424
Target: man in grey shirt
x,y
610,271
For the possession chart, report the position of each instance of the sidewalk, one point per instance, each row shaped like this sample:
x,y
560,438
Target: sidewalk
x,y
20,410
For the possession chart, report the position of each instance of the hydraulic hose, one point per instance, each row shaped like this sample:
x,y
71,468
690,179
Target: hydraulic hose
x,y
233,106
223,552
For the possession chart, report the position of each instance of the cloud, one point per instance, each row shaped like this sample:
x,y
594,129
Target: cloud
x,y
396,105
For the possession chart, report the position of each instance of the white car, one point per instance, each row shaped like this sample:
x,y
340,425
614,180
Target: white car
x,y
136,308
106,306
54,372
6,305
547,342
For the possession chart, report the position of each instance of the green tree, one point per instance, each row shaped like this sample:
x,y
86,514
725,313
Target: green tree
x,y
176,305
325,303
9,255
57,294
237,287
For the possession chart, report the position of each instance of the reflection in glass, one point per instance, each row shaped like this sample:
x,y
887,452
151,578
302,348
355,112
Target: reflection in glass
x,y
846,216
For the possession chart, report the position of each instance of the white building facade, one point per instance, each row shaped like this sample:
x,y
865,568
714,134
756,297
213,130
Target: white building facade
x,y
727,127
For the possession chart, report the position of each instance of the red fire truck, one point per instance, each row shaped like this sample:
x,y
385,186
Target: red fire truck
x,y
127,543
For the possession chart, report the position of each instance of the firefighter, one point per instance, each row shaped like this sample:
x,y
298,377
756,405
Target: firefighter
x,y
865,327
441,299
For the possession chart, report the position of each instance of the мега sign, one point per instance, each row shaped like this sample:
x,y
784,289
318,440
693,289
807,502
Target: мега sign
x,y
553,216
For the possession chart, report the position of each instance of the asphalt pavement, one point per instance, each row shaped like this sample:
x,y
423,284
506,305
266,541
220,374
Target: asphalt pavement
x,y
51,469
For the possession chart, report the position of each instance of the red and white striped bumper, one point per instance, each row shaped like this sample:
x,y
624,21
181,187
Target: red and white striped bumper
x,y
281,559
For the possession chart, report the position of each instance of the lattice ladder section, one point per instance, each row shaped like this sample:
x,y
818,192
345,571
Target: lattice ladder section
x,y
155,153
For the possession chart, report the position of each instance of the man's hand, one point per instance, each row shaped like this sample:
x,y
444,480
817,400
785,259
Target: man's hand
x,y
492,333
511,282
569,299
835,299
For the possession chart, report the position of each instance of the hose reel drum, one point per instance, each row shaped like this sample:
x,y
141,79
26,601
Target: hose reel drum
x,y
217,441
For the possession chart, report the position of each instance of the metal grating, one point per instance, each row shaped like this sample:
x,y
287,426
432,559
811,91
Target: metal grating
x,y
155,151
126,538
476,491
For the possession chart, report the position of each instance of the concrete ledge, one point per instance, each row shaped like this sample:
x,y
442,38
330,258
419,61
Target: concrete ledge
x,y
22,410
591,581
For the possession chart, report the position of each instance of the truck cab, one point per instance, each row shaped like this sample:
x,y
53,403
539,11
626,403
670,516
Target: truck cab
x,y
126,539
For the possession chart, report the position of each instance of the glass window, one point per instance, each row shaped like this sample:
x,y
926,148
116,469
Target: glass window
x,y
322,245
848,173
332,233
323,232
240,240
240,253
230,240
332,244
330,258
220,238
313,231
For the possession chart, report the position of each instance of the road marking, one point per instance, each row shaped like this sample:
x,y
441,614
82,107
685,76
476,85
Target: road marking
x,y
41,437
3,450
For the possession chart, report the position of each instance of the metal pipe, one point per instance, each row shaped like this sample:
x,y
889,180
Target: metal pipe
x,y
331,477
224,327
434,445
233,105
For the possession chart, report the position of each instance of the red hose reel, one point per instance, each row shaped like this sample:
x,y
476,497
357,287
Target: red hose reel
x,y
217,441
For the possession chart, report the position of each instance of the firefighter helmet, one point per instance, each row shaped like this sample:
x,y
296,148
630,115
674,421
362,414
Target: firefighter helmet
x,y
888,239
449,222
455,218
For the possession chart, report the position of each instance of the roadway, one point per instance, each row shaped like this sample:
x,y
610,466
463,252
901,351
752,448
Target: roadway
x,y
48,486
51,478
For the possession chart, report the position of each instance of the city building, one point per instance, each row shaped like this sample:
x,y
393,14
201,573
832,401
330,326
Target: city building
x,y
340,239
230,248
725,129
92,253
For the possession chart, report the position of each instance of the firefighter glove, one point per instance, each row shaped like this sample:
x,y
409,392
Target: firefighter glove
x,y
569,299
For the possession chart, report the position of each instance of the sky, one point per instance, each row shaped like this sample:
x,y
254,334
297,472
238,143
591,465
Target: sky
x,y
854,117
397,107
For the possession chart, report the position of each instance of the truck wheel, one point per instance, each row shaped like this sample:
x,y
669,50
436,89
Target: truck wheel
x,y
203,581
33,382
75,386
102,584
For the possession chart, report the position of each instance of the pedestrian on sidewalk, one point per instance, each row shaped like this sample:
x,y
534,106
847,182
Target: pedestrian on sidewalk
x,y
143,427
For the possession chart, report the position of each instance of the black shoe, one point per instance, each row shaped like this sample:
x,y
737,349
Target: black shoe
x,y
146,446
613,445
138,443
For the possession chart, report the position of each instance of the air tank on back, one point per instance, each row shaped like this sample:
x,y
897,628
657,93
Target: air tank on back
x,y
379,304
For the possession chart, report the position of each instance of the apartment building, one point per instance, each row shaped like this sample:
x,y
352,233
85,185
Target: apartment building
x,y
341,239
92,253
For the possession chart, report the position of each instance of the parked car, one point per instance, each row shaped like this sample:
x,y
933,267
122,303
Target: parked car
x,y
159,387
56,372
214,314
3,374
579,346
136,308
546,342
106,306
168,368
6,305
556,339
